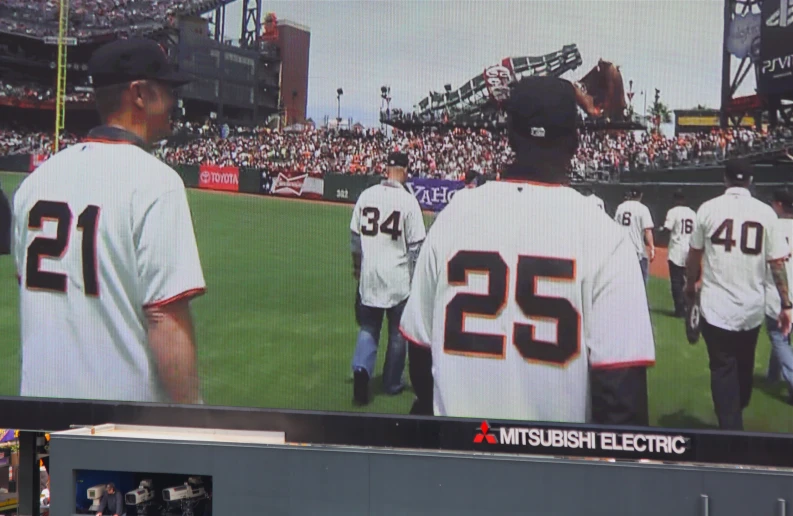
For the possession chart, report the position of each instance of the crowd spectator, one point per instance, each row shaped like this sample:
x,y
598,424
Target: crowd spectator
x,y
440,154
32,92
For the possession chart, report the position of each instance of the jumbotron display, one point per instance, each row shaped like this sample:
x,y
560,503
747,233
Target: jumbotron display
x,y
577,264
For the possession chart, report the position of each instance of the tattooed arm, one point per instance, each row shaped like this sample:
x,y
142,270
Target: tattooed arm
x,y
779,274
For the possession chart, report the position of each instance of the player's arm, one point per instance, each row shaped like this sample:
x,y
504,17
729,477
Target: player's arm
x,y
777,253
416,327
5,224
621,344
694,259
355,242
648,227
169,269
669,223
415,233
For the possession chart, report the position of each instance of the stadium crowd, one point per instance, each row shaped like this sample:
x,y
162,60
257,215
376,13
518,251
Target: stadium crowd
x,y
32,92
39,18
446,155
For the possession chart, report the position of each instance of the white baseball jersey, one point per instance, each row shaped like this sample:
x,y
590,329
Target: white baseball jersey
x,y
635,218
597,201
680,224
388,219
773,304
738,235
520,290
101,230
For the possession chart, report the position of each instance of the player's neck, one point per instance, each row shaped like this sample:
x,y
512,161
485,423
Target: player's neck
x,y
520,170
129,125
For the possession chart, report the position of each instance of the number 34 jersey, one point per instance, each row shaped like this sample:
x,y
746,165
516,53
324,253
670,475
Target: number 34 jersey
x,y
739,235
520,291
101,232
389,220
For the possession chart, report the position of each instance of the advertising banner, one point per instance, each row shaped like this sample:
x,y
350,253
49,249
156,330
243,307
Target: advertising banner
x,y
36,160
301,185
776,48
213,177
434,194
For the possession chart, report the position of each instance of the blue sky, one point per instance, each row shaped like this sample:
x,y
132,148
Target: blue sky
x,y
417,46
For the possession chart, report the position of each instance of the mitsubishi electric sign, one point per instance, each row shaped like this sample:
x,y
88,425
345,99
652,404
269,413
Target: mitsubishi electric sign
x,y
644,445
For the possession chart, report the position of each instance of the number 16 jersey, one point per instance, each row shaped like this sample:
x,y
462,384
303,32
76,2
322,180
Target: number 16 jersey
x,y
520,291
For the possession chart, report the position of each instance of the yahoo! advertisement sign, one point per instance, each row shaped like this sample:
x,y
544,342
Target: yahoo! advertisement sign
x,y
434,194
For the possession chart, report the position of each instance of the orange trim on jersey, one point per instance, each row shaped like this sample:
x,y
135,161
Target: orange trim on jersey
x,y
188,294
624,365
533,183
411,339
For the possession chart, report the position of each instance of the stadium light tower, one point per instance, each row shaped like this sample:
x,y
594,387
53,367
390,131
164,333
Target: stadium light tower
x,y
60,99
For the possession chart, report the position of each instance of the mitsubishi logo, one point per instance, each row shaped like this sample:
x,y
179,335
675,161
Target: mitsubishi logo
x,y
783,17
484,434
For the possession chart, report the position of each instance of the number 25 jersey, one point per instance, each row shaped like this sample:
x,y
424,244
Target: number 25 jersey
x,y
520,290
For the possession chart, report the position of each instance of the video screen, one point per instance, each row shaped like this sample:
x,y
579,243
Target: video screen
x,y
142,494
531,211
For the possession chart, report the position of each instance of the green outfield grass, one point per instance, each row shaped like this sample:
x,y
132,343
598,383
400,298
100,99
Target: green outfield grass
x,y
276,327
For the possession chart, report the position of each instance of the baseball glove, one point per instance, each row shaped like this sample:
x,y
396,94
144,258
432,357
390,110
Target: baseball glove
x,y
693,321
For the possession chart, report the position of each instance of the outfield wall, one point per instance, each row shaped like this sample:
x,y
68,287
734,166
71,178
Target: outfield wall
x,y
698,184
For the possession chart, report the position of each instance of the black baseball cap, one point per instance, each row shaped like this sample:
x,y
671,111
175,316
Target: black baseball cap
x,y
784,196
739,170
542,108
398,159
127,60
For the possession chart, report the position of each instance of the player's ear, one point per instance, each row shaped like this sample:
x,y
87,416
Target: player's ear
x,y
137,90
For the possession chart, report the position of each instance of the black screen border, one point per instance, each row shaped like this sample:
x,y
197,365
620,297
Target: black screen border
x,y
389,431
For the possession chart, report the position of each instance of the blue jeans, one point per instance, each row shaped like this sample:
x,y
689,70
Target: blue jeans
x,y
644,263
781,363
371,321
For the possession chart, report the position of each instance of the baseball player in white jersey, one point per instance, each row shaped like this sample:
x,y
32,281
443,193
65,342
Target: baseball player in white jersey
x,y
781,362
637,220
527,302
590,195
680,224
387,230
105,250
737,236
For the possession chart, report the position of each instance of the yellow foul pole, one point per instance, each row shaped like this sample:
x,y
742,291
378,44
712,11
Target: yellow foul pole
x,y
60,99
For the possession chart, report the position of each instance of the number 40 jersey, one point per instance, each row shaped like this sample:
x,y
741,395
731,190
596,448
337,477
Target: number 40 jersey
x,y
520,291
389,220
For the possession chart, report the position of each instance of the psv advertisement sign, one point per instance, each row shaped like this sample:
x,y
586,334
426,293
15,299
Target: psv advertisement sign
x,y
214,177
776,48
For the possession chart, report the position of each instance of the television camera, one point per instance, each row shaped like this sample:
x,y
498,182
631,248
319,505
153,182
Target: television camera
x,y
186,497
142,497
95,495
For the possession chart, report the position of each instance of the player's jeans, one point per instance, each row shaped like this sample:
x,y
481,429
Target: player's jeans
x,y
731,355
371,321
677,275
781,363
644,263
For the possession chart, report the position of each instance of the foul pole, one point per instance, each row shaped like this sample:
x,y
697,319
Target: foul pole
x,y
60,99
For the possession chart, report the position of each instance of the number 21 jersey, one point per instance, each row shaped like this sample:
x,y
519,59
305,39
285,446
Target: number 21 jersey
x,y
101,232
520,291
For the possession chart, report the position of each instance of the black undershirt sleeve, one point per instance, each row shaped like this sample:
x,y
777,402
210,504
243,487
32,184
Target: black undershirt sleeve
x,y
420,358
619,396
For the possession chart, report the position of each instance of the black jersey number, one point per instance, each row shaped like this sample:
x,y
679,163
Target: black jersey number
x,y
490,305
751,245
688,226
626,218
372,226
56,248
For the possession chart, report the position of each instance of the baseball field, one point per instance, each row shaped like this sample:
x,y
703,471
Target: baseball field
x,y
276,327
